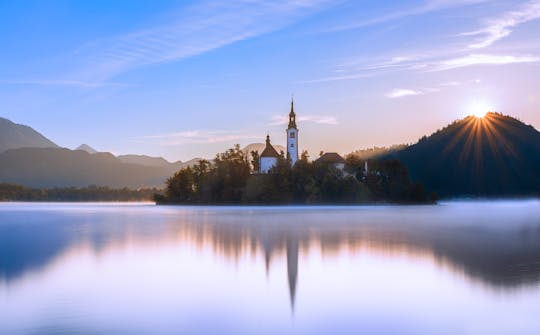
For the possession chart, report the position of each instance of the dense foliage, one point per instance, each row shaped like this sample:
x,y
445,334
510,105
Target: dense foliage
x,y
229,179
496,155
11,192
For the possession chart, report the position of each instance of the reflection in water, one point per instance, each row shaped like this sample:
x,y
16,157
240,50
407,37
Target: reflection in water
x,y
292,267
496,244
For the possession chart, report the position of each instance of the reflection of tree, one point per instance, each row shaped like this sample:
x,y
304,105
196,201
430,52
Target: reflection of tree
x,y
502,254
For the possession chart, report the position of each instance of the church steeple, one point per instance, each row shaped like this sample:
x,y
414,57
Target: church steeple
x,y
292,117
292,137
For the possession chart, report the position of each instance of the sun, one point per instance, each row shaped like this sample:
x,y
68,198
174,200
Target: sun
x,y
478,109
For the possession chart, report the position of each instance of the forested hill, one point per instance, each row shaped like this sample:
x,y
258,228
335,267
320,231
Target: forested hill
x,y
496,155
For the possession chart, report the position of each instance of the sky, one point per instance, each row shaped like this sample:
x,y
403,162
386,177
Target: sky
x,y
184,79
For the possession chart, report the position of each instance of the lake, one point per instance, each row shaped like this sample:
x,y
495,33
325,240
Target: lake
x,y
464,267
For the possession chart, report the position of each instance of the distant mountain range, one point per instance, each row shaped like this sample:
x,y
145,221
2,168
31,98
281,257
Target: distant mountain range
x,y
15,136
30,159
496,155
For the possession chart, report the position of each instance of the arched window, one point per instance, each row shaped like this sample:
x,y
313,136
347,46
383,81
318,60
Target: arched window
x,y
292,135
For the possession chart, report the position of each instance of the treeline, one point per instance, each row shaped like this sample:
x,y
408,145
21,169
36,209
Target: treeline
x,y
11,192
377,152
228,179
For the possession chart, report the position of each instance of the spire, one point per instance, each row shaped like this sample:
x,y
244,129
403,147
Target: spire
x,y
267,139
292,116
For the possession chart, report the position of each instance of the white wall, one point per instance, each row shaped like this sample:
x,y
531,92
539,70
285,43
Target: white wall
x,y
267,163
339,166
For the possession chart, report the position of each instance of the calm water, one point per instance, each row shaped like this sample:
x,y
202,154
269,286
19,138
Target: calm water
x,y
454,268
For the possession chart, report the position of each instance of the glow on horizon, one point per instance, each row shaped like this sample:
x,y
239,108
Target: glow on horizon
x,y
479,108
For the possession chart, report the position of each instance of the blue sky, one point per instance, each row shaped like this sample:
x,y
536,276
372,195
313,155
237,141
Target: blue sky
x,y
183,79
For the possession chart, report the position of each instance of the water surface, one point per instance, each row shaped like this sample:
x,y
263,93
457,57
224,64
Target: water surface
x,y
453,268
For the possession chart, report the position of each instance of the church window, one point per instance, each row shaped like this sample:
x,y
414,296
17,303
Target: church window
x,y
292,145
292,135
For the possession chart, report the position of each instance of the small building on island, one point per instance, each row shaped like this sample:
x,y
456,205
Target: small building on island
x,y
332,158
268,158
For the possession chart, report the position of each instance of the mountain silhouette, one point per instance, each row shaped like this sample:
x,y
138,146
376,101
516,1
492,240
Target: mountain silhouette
x,y
15,136
495,155
30,159
87,148
55,167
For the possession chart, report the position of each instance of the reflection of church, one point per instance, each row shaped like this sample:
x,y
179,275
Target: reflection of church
x,y
269,157
269,245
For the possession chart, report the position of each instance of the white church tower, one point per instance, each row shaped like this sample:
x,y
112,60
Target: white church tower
x,y
292,137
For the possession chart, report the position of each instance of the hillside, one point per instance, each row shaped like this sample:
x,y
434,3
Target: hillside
x,y
15,136
147,160
376,152
496,155
54,167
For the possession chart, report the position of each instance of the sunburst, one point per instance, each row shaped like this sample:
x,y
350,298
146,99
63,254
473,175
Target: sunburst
x,y
478,109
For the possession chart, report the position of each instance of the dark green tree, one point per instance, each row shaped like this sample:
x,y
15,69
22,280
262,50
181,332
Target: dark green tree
x,y
255,160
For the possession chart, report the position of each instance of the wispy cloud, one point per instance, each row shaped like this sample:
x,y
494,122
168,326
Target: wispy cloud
x,y
427,7
482,59
206,26
319,119
426,63
402,92
451,83
196,137
68,83
502,26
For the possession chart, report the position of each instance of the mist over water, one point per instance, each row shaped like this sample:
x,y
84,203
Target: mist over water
x,y
463,267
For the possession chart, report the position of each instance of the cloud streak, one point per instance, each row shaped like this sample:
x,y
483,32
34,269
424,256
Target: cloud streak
x,y
319,119
483,59
196,137
427,63
402,92
201,28
67,83
427,7
502,26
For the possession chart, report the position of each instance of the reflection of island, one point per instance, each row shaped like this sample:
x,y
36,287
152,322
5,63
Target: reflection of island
x,y
498,246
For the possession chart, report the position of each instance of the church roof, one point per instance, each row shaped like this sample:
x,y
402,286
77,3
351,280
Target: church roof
x,y
269,150
331,157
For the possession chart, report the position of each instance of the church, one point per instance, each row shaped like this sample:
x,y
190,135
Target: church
x,y
269,157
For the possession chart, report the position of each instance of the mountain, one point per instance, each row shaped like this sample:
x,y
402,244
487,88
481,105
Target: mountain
x,y
87,148
15,136
56,167
146,160
60,167
30,159
496,155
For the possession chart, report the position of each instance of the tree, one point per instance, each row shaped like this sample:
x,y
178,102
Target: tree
x,y
180,187
255,161
304,156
